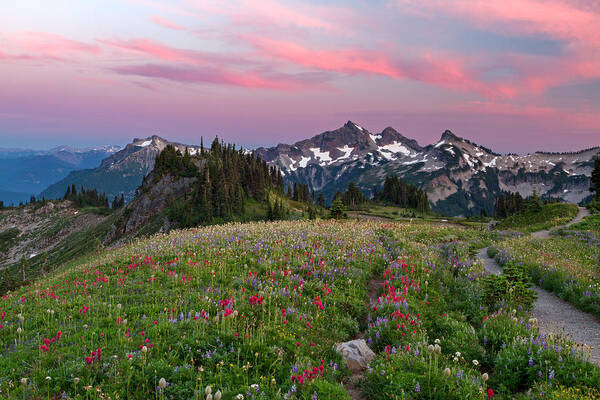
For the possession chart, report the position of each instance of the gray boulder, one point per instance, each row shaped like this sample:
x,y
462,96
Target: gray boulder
x,y
356,353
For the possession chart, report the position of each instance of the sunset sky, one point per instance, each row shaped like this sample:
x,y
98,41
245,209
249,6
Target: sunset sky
x,y
513,75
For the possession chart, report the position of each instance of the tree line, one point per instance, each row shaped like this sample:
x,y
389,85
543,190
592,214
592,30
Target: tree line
x,y
352,199
226,178
403,194
90,198
510,203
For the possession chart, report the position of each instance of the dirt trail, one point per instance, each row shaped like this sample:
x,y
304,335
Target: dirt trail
x,y
554,315
351,385
545,234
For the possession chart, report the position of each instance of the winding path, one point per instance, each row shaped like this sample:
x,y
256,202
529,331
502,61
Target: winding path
x,y
545,234
351,385
555,315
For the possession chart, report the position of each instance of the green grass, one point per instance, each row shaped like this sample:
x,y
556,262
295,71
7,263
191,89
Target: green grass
x,y
390,212
549,216
8,238
590,224
568,266
247,308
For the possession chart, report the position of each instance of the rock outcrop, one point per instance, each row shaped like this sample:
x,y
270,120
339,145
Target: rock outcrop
x,y
356,353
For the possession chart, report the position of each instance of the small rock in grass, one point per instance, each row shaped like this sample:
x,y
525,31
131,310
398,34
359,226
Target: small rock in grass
x,y
356,353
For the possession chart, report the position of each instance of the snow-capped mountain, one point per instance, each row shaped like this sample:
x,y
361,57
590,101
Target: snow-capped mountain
x,y
460,177
349,143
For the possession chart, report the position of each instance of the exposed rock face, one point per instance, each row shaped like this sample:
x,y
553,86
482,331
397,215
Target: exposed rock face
x,y
356,353
460,177
156,198
153,197
42,229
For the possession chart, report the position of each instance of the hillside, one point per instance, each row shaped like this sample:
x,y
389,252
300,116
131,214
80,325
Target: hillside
x,y
255,310
212,186
548,216
459,176
39,228
47,236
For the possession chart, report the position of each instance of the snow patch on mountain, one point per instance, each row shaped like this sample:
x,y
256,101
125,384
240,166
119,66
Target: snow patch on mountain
x,y
322,156
491,163
394,148
415,161
468,160
347,150
375,138
303,162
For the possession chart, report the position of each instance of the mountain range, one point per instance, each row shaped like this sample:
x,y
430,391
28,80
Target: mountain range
x,y
27,172
459,176
121,172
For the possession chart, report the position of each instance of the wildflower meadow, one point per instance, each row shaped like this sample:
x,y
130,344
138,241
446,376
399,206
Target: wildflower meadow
x,y
254,311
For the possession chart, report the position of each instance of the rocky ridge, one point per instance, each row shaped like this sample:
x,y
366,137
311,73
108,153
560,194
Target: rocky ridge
x,y
459,176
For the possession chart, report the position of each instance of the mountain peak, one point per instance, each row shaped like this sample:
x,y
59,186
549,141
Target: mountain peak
x,y
448,135
391,136
353,125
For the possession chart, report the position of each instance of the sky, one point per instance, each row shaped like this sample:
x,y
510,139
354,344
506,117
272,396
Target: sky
x,y
512,75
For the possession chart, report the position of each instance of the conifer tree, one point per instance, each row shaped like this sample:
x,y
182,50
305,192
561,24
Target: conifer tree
x,y
595,178
337,209
23,268
321,200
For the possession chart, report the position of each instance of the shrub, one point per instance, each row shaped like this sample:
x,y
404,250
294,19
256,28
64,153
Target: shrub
x,y
549,391
511,288
415,374
541,359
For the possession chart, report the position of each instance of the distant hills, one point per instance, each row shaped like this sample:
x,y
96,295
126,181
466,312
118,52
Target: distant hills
x,y
27,172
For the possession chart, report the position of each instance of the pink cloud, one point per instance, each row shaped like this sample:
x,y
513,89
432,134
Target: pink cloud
x,y
51,45
438,70
13,57
165,23
555,18
160,51
151,48
573,22
221,76
46,46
